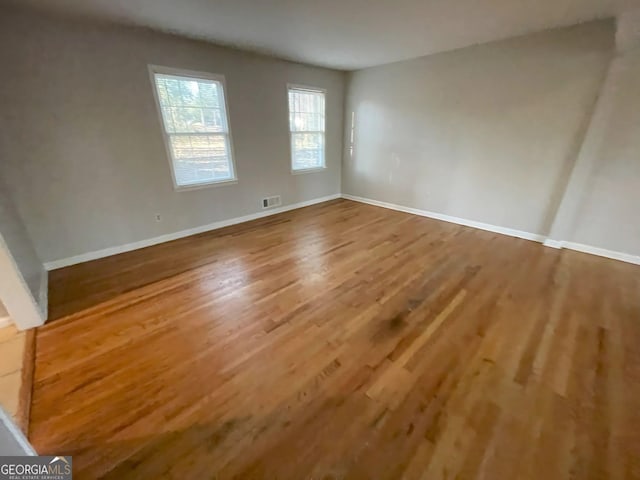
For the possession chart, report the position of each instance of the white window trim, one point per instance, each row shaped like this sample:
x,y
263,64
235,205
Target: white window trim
x,y
302,171
153,69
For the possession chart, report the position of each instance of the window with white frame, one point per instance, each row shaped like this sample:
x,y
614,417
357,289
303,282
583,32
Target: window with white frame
x,y
195,126
306,126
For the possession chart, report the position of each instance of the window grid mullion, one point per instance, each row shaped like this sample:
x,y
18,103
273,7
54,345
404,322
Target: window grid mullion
x,y
206,157
196,134
307,108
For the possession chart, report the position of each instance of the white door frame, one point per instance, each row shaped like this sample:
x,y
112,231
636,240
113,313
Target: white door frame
x,y
15,294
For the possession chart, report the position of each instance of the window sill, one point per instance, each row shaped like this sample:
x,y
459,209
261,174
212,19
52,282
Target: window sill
x,y
199,186
308,170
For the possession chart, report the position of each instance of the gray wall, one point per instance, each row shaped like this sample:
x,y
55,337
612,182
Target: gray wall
x,y
487,133
14,235
81,144
608,215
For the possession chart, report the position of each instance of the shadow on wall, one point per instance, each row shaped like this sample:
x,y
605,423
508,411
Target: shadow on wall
x,y
487,133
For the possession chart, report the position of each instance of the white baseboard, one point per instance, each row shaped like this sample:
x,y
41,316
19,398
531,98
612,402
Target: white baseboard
x,y
547,242
43,297
107,252
447,218
559,244
602,252
5,321
65,262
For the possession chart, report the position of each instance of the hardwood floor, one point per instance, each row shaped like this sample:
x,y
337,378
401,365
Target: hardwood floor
x,y
343,341
12,346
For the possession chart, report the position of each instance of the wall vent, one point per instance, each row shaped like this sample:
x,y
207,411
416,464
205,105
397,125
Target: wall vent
x,y
270,202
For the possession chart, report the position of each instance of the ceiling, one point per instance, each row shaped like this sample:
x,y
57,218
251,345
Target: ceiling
x,y
342,34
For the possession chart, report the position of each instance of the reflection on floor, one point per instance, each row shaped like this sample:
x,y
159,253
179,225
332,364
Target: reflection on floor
x,y
12,345
343,341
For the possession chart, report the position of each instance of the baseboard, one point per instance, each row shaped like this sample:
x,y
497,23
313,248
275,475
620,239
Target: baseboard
x,y
448,218
602,252
43,297
107,252
547,242
5,321
559,244
65,262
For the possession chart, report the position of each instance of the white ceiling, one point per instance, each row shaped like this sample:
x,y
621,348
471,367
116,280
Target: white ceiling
x,y
343,34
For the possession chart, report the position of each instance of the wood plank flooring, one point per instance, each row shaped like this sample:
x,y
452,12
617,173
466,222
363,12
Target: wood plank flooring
x,y
343,341
12,346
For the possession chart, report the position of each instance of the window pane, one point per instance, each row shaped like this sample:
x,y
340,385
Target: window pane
x,y
307,124
163,93
306,110
194,119
209,95
172,88
190,93
306,101
213,120
201,158
190,105
307,150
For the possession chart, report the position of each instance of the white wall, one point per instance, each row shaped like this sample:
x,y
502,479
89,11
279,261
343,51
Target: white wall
x,y
487,133
23,279
81,144
19,243
608,215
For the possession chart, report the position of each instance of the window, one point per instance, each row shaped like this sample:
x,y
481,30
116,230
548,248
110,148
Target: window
x,y
195,126
306,125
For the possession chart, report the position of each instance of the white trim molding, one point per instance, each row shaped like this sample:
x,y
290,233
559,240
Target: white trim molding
x,y
547,242
43,294
602,252
85,257
206,77
559,244
17,298
448,218
107,252
323,132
